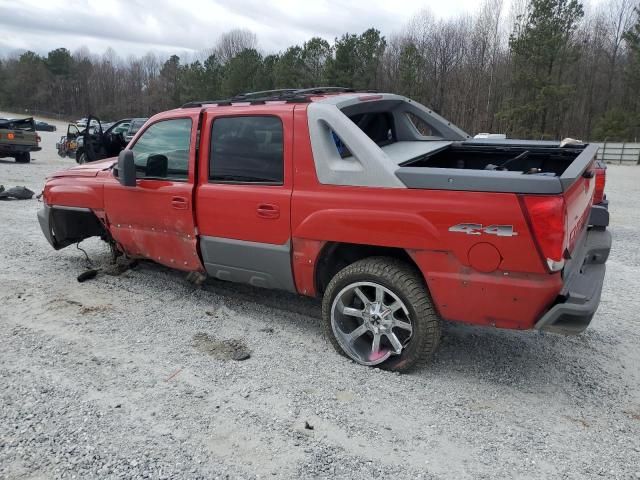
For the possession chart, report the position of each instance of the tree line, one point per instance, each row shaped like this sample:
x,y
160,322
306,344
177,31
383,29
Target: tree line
x,y
531,69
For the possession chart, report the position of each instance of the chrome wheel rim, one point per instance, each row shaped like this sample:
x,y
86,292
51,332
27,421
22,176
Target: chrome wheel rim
x,y
370,322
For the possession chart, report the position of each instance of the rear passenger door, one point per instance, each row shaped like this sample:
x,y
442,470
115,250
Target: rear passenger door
x,y
244,195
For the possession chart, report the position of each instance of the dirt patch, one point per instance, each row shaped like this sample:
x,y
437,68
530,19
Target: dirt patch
x,y
221,349
85,310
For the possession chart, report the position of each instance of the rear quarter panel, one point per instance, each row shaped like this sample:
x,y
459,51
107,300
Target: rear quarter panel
x,y
419,221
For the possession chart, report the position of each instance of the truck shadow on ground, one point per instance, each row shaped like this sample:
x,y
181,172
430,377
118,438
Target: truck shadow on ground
x,y
529,360
522,358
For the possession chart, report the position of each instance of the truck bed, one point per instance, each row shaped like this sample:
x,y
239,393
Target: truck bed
x,y
532,167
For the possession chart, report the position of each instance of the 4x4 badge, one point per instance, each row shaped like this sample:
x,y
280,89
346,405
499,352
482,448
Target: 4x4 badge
x,y
478,229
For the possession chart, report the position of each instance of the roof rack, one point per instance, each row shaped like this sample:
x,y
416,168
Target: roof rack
x,y
322,90
289,95
266,93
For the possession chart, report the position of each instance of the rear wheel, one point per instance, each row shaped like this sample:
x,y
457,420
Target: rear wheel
x,y
23,157
81,157
378,312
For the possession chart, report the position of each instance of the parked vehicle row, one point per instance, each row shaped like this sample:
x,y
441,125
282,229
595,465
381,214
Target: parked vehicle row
x,y
45,127
392,215
97,141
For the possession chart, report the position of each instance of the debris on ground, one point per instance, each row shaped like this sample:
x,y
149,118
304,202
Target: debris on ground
x,y
221,349
16,193
120,267
87,275
196,278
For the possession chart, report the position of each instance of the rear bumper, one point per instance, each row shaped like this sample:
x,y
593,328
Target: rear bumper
x,y
583,280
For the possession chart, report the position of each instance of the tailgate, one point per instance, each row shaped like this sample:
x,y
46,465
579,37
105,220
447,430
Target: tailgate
x,y
18,132
18,137
579,183
558,221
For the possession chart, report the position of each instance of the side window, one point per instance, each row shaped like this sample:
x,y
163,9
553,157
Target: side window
x,y
247,149
163,150
343,150
135,126
122,128
420,125
378,126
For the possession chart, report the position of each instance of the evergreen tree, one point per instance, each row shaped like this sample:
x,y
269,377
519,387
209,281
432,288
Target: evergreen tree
x,y
289,70
632,73
243,73
315,54
369,50
170,81
542,51
342,67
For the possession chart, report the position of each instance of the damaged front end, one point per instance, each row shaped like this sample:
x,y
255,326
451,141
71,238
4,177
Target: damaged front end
x,y
64,226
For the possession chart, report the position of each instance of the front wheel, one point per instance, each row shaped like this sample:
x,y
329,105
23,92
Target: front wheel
x,y
378,312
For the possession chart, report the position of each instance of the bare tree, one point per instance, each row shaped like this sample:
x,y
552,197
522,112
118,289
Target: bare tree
x,y
619,15
233,42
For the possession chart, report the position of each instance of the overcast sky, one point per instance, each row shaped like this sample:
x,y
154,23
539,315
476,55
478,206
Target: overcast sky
x,y
167,26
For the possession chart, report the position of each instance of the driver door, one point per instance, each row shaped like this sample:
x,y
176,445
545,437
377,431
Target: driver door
x,y
155,219
71,141
93,140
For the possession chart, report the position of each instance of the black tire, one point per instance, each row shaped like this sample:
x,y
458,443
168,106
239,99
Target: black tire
x,y
23,157
406,282
81,157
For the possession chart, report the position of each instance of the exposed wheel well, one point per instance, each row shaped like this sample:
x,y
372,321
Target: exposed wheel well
x,y
335,256
74,225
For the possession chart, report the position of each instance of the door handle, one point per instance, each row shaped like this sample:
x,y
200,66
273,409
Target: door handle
x,y
268,210
179,203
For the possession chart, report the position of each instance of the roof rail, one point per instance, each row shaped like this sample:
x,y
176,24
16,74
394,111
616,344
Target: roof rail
x,y
199,103
266,93
289,95
321,90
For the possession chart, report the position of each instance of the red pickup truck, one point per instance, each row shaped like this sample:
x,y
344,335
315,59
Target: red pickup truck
x,y
391,214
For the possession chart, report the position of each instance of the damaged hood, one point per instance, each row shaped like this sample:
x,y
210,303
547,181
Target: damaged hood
x,y
90,169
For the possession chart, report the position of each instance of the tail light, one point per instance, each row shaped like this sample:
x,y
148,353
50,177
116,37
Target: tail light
x,y
11,136
547,217
38,138
601,180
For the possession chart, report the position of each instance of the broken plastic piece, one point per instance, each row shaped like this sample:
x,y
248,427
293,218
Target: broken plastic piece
x,y
88,275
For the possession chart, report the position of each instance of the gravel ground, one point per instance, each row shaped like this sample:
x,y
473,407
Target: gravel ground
x,y
131,376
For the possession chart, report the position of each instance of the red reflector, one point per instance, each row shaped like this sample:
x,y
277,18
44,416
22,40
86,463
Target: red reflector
x,y
601,180
548,218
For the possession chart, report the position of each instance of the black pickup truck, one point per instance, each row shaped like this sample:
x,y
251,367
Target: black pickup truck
x,y
18,138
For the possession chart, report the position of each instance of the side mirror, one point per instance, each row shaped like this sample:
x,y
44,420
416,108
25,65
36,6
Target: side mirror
x,y
126,169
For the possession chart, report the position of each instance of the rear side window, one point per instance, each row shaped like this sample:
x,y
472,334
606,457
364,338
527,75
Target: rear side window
x,y
420,125
378,126
247,149
163,150
135,126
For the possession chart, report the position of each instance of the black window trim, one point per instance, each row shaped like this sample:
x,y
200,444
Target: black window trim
x,y
140,134
238,182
